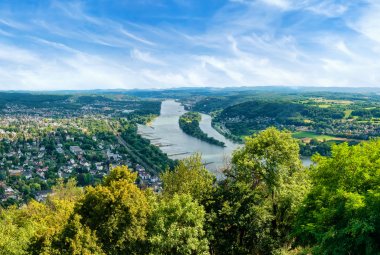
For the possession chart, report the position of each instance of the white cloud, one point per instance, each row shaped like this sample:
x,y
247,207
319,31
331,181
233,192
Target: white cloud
x,y
329,9
341,46
246,46
135,37
145,57
282,4
16,55
368,23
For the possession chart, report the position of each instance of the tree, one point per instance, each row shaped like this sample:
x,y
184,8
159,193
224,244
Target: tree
x,y
75,239
177,227
29,229
2,191
117,211
15,234
257,202
189,177
50,217
340,215
266,158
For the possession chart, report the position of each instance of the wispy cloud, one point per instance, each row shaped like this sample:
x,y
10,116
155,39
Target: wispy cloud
x,y
135,37
72,45
145,57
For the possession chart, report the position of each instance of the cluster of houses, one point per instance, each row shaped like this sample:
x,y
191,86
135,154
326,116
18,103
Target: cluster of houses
x,y
20,111
31,161
37,148
148,180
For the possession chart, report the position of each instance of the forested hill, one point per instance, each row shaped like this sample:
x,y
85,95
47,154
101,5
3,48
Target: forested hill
x,y
281,111
252,116
81,104
31,100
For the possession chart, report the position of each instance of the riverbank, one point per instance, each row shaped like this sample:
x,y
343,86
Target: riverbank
x,y
189,123
166,134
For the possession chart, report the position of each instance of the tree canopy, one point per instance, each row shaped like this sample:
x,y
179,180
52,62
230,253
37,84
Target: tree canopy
x,y
341,213
258,200
268,203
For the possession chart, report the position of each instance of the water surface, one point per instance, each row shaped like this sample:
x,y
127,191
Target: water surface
x,y
165,132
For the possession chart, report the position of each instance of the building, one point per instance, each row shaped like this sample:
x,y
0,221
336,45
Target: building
x,y
76,150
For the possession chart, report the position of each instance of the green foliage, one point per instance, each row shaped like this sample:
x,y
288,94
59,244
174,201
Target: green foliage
x,y
143,152
267,204
50,217
189,123
256,205
75,239
30,100
119,173
340,215
177,227
29,230
189,177
15,232
117,211
257,115
266,159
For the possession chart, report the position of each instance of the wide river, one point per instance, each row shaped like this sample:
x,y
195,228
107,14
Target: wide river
x,y
165,132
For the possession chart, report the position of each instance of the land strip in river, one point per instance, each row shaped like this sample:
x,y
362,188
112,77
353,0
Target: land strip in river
x,y
189,123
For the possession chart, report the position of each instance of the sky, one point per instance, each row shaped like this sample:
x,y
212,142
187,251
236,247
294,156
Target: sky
x,y
109,44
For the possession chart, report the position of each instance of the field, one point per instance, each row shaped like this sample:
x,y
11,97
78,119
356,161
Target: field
x,y
312,135
347,113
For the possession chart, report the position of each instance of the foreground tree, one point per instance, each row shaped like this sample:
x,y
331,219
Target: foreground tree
x,y
256,204
118,212
177,227
30,229
191,177
341,213
75,239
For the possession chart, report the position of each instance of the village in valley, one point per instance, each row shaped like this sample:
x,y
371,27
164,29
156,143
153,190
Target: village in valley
x,y
37,150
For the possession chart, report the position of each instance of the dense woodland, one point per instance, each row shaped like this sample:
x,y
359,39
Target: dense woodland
x,y
189,123
268,203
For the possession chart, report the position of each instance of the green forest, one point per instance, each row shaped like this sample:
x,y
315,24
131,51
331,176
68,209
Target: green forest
x,y
317,118
189,123
268,203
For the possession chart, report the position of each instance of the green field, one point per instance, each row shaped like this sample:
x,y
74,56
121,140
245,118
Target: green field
x,y
347,113
324,105
312,135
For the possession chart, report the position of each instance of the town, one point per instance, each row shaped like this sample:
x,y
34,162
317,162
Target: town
x,y
38,146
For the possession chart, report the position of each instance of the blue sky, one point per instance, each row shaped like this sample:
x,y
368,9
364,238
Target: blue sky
x,y
92,44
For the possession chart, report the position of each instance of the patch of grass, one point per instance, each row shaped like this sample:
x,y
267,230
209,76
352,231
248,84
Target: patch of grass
x,y
312,135
347,113
329,101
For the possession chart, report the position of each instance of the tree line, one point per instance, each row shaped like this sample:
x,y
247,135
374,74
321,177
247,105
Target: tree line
x,y
268,203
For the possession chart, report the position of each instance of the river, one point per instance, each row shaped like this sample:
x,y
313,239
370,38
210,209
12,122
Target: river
x,y
165,132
